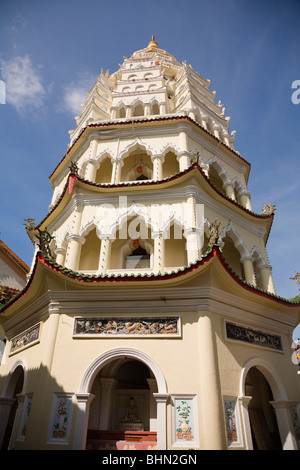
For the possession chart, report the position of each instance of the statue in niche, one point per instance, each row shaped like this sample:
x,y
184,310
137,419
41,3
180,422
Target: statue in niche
x,y
131,421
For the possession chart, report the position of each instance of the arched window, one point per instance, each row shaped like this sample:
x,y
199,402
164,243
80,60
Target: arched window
x,y
214,177
232,256
137,166
170,165
138,258
90,252
104,172
175,246
138,110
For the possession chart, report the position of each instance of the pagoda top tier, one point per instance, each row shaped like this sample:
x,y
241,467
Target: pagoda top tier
x,y
151,83
151,50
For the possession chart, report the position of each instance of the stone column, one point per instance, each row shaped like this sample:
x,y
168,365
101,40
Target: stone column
x,y
248,270
244,402
157,161
152,405
43,391
285,425
147,109
266,277
17,421
108,386
60,255
162,108
161,403
183,160
82,418
104,254
159,253
245,200
128,111
229,191
91,170
210,398
74,250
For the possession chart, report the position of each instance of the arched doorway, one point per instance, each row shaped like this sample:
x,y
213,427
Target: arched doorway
x,y
9,405
111,381
262,416
265,404
123,408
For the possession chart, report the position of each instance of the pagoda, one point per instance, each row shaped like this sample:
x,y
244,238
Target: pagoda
x,y
150,319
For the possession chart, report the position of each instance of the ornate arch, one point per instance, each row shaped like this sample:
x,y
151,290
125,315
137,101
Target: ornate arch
x,y
108,356
231,232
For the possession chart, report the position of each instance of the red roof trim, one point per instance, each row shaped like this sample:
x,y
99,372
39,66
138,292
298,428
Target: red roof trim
x,y
40,258
72,178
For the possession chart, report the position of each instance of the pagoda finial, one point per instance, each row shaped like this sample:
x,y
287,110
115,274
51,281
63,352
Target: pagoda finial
x,y
152,43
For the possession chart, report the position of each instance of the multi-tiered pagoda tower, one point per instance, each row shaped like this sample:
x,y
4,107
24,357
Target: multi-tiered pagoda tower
x,y
150,319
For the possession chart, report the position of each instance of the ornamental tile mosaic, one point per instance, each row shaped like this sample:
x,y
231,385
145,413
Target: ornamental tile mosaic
x,y
252,336
156,326
184,428
62,408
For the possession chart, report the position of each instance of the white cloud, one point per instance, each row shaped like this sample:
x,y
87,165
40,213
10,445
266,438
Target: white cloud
x,y
75,94
24,87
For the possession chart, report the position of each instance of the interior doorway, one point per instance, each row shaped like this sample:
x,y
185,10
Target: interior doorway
x,y
263,421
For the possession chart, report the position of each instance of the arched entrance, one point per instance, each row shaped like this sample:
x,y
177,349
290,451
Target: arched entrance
x,y
9,404
122,398
262,416
265,408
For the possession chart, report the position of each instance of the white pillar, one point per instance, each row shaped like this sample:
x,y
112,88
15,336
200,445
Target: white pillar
x,y
285,425
266,277
82,419
152,405
244,401
162,108
108,386
183,160
17,421
229,191
157,161
159,253
211,405
91,170
104,254
245,200
60,255
74,250
248,270
147,109
128,111
161,403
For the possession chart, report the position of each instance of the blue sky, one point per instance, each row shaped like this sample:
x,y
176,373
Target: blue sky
x,y
52,52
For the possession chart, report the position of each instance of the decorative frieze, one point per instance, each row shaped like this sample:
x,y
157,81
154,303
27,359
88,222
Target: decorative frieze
x,y
254,337
120,326
25,339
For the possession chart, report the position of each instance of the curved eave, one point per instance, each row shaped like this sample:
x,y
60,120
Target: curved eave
x,y
73,280
141,121
179,178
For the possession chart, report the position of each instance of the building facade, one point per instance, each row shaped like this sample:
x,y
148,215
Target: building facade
x,y
150,319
